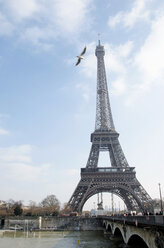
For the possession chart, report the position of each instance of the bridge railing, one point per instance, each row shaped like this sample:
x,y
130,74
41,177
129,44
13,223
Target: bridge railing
x,y
147,220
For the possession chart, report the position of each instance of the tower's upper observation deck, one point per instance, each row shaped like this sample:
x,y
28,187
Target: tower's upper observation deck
x,y
99,50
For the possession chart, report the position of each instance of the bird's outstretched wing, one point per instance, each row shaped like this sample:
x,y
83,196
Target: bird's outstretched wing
x,y
84,50
78,61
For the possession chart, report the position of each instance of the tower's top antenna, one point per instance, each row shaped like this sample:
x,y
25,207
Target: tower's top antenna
x,y
98,39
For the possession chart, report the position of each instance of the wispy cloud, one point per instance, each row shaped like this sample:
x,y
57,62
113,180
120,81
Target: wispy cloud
x,y
16,154
85,89
4,116
40,22
119,86
71,14
39,37
6,27
22,9
4,131
137,13
149,60
16,164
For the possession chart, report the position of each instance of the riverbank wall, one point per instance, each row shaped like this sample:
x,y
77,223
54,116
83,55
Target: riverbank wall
x,y
53,223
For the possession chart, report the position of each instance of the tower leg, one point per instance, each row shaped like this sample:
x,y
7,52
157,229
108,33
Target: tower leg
x,y
93,156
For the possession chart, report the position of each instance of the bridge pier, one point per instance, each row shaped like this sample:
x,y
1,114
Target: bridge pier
x,y
159,240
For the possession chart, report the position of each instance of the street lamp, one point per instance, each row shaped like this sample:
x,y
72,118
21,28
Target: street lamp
x,y
160,197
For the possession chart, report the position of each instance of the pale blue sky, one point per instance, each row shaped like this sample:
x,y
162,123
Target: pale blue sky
x,y
47,105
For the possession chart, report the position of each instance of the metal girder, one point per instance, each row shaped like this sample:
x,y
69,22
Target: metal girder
x,y
104,118
106,141
124,185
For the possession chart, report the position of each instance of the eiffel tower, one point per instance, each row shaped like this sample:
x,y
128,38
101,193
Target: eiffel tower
x,y
119,178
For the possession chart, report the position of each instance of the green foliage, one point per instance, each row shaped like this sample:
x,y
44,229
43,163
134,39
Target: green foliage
x,y
18,210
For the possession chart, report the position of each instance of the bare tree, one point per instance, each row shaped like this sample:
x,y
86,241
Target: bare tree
x,y
157,203
51,205
66,208
32,208
10,206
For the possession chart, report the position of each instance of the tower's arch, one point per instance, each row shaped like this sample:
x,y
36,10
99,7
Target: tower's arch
x,y
121,191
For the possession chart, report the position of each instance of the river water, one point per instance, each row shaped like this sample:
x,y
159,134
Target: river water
x,y
84,239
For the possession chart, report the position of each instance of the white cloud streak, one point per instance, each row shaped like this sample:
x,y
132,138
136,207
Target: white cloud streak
x,y
40,22
119,86
22,9
137,13
16,154
16,164
148,62
70,14
150,58
6,28
4,131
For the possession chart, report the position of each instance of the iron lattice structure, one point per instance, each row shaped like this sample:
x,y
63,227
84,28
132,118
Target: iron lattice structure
x,y
119,178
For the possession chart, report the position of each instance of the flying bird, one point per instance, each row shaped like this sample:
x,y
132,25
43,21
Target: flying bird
x,y
80,57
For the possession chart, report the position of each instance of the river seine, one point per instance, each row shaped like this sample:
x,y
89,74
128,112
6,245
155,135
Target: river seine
x,y
84,239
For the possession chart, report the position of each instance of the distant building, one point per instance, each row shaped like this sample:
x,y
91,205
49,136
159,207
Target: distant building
x,y
93,212
157,210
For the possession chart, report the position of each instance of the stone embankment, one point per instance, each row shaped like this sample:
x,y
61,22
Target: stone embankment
x,y
52,223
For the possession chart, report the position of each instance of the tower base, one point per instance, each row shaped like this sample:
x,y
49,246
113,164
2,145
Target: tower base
x,y
120,181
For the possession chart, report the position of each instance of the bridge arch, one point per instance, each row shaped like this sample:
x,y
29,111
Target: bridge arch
x,y
132,234
118,232
104,225
136,239
109,228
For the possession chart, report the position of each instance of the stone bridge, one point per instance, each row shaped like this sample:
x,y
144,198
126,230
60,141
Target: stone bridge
x,y
145,231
